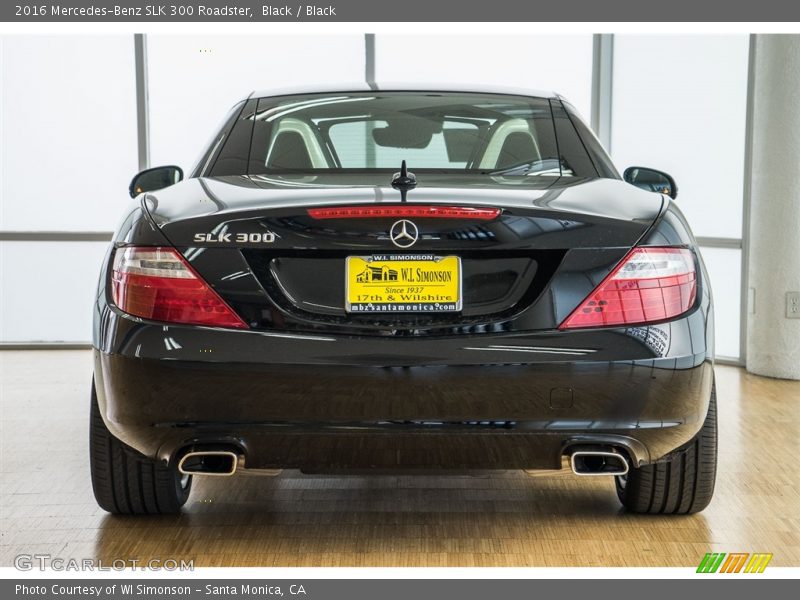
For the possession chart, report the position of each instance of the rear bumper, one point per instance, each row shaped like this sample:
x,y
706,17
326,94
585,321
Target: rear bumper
x,y
313,403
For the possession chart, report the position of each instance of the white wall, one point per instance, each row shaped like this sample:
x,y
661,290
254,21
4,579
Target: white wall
x,y
773,343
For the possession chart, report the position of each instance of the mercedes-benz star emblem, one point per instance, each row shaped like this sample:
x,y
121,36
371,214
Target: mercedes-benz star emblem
x,y
404,234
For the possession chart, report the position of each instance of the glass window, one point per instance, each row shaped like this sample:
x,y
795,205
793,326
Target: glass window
x,y
449,148
679,105
194,80
589,140
551,63
68,124
232,144
570,145
60,283
724,269
434,131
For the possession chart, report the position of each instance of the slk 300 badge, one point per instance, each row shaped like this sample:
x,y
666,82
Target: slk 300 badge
x,y
267,237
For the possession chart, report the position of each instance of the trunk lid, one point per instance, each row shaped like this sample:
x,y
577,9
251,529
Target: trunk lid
x,y
254,240
556,212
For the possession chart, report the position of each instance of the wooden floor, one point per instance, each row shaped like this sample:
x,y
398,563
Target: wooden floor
x,y
506,519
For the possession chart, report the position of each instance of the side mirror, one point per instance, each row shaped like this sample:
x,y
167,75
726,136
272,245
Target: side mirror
x,y
154,179
651,180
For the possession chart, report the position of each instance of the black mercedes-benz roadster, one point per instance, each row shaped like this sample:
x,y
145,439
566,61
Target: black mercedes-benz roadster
x,y
376,280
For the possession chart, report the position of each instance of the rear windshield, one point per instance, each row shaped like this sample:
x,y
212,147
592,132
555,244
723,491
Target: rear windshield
x,y
432,132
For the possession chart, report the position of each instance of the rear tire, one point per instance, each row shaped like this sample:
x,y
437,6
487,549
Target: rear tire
x,y
127,483
680,486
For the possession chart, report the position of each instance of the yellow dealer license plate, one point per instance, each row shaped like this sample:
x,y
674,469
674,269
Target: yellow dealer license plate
x,y
402,283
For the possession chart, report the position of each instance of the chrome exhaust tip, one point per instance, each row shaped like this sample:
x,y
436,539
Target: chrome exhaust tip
x,y
215,463
598,462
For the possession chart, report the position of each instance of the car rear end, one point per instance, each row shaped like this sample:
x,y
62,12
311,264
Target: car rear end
x,y
484,320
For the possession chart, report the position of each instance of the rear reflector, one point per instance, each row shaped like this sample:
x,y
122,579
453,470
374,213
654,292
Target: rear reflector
x,y
399,212
650,284
158,284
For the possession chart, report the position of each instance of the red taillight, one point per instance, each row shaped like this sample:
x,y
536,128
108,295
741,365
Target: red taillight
x,y
650,284
158,284
404,211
